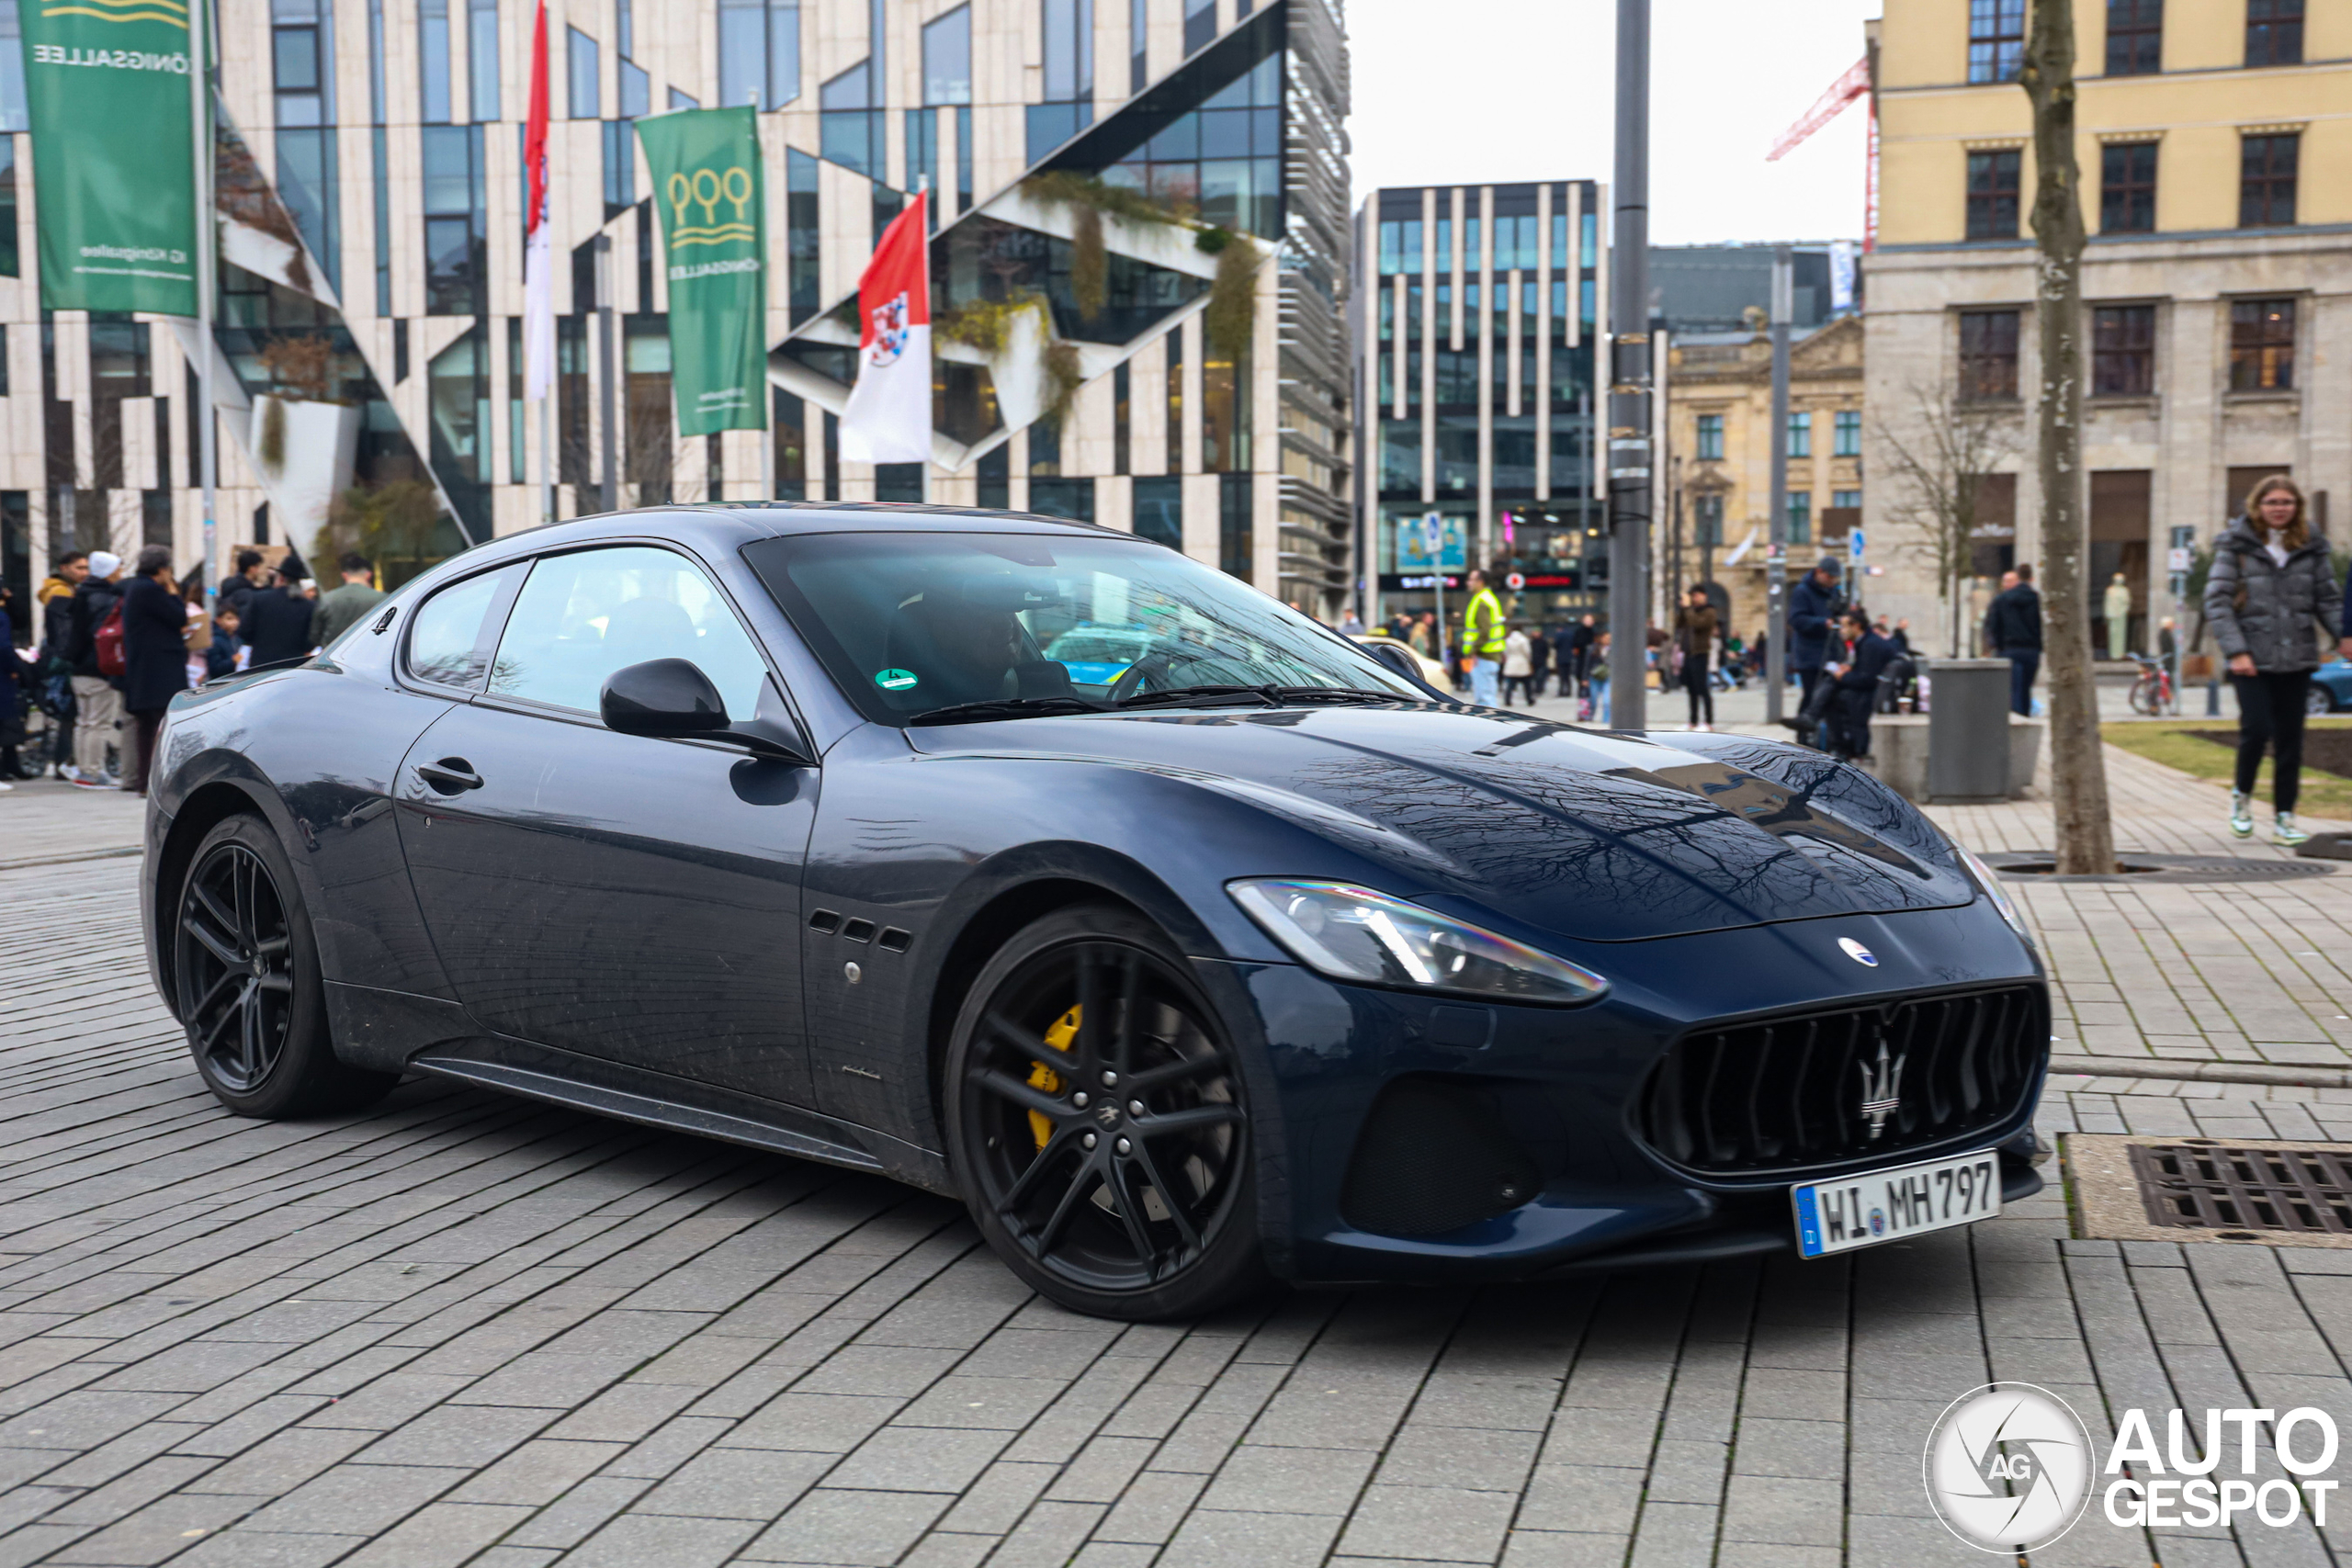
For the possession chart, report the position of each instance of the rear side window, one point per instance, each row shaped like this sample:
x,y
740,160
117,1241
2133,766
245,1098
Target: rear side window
x,y
450,636
584,614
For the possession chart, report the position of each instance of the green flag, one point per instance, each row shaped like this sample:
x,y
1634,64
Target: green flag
x,y
106,83
705,168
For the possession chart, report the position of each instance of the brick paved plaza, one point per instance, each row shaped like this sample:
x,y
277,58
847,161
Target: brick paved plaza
x,y
462,1328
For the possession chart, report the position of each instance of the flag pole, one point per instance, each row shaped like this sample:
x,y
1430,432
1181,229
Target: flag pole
x,y
207,456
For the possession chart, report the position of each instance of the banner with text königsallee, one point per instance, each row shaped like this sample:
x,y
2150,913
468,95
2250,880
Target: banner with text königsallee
x,y
706,169
107,82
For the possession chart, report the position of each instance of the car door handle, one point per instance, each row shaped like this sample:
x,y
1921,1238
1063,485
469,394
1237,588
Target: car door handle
x,y
449,775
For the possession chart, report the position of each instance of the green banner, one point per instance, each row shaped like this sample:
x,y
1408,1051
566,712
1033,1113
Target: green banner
x,y
107,81
705,168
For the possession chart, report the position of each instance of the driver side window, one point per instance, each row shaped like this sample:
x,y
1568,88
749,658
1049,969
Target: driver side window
x,y
584,614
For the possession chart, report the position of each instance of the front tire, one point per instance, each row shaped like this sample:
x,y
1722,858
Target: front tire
x,y
2318,699
245,971
1097,1124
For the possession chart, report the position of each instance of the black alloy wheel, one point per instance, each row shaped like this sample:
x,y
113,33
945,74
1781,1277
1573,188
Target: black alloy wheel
x,y
234,964
246,974
1097,1124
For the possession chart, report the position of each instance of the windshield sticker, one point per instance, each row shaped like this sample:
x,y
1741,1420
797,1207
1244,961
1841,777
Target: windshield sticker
x,y
894,680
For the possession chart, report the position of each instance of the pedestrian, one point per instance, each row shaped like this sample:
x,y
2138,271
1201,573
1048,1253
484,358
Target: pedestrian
x,y
1518,666
2271,577
1596,685
1698,634
1814,607
14,675
1420,635
227,654
278,621
154,657
2013,631
1350,624
1864,656
2117,605
2167,641
1482,641
338,610
1580,640
98,695
1538,659
250,577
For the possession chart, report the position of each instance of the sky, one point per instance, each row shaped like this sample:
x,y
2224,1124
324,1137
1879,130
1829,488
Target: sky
x,y
1476,92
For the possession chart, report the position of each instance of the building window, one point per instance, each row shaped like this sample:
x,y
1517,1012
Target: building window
x,y
517,437
302,70
580,53
1121,415
803,245
1068,109
850,132
1175,388
947,57
1800,517
2262,345
457,405
1707,521
1159,511
1988,354
2273,32
1845,500
2135,37
433,59
1993,183
1138,57
13,114
1801,435
1848,440
455,219
2127,188
2266,180
1200,25
1237,550
2123,351
481,57
759,53
620,166
1711,438
1996,40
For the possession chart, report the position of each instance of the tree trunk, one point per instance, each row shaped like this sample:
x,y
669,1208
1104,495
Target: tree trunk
x,y
2086,843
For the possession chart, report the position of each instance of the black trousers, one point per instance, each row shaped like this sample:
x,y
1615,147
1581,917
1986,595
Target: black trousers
x,y
2270,714
1701,691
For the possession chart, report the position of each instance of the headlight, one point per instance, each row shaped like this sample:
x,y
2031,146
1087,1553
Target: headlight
x,y
1355,933
1991,884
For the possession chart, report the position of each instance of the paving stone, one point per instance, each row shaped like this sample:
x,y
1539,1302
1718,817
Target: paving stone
x,y
1428,1524
639,1541
833,1526
1212,1539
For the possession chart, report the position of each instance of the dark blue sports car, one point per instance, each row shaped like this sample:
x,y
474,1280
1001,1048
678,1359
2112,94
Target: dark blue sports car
x,y
1238,955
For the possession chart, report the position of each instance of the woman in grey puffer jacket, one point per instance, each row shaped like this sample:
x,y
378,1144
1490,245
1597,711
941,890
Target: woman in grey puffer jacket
x,y
2271,579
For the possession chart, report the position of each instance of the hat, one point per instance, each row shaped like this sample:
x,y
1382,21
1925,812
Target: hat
x,y
1830,564
104,564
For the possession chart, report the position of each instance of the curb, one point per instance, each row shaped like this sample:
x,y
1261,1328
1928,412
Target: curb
x,y
31,861
2203,1071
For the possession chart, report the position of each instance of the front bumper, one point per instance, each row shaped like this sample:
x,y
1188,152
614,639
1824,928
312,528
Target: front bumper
x,y
1566,1082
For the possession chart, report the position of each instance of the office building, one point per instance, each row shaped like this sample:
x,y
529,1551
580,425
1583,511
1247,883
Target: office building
x,y
1093,164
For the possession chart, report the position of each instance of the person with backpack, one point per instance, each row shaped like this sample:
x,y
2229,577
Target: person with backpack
x,y
98,690
2271,579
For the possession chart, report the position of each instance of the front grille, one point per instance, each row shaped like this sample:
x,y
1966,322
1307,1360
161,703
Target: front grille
x,y
1788,1093
1435,1155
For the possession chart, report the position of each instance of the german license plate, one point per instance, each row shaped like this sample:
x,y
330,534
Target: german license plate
x,y
1888,1205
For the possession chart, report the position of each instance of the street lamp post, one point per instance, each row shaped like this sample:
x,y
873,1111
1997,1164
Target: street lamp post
x,y
1776,565
1630,372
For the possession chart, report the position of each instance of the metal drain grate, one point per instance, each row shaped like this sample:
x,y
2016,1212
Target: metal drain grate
x,y
2201,1184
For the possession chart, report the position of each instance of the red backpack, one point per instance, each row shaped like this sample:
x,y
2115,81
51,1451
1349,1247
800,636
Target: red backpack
x,y
109,642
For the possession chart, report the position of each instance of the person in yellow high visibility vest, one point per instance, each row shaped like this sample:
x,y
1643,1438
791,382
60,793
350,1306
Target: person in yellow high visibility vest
x,y
1483,636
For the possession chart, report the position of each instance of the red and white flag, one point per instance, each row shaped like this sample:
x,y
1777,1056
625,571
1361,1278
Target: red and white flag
x,y
888,416
538,269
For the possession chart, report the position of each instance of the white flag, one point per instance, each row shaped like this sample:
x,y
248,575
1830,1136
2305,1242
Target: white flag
x,y
888,416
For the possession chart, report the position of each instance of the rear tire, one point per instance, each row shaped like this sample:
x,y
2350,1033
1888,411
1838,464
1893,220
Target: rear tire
x,y
2317,699
1107,1209
246,974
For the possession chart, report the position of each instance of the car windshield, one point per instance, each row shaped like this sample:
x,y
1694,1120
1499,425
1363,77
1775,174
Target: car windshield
x,y
910,624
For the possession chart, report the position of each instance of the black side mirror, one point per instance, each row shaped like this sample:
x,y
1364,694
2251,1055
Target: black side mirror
x,y
661,697
1395,658
672,699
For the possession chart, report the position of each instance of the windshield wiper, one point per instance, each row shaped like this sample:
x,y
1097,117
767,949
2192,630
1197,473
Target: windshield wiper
x,y
1187,696
1006,707
1337,695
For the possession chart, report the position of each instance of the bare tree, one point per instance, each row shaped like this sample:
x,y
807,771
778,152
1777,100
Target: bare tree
x,y
2085,836
1953,445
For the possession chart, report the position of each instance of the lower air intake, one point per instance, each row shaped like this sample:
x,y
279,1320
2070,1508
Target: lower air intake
x,y
1434,1156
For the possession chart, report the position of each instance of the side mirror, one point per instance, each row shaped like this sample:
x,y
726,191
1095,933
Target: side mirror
x,y
672,699
1395,658
662,697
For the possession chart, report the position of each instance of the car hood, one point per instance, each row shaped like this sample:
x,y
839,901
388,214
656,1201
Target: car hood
x,y
1594,835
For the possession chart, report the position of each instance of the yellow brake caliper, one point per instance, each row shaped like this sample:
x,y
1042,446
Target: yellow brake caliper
x,y
1041,1077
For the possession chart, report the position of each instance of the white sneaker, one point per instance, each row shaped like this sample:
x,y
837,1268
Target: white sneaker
x,y
2241,814
2284,832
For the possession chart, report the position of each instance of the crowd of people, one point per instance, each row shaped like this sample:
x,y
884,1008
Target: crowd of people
x,y
118,640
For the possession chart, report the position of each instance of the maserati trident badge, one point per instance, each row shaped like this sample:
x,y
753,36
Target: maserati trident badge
x,y
1858,952
1882,1088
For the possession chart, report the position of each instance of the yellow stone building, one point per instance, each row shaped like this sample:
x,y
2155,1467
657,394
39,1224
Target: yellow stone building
x,y
2215,145
1719,407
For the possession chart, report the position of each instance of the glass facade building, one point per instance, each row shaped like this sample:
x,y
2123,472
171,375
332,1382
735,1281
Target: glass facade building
x,y
1474,353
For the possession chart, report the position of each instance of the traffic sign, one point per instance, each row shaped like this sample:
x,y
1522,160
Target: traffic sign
x,y
1433,533
1854,544
1515,582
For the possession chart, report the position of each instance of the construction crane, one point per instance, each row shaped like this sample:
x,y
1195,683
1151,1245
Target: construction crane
x,y
1855,84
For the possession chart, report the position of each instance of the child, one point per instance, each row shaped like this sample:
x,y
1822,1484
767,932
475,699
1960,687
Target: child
x,y
227,653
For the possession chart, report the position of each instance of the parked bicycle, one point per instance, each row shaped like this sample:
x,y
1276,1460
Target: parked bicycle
x,y
2151,693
